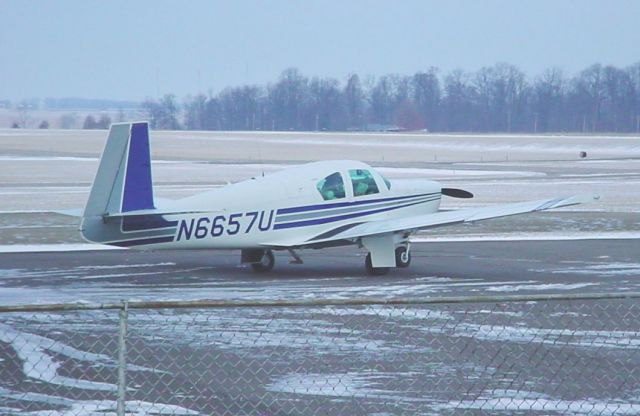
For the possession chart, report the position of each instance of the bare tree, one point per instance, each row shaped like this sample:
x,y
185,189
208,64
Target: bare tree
x,y
634,76
162,115
354,102
459,100
547,100
68,121
287,98
589,92
427,96
195,112
495,98
90,123
326,109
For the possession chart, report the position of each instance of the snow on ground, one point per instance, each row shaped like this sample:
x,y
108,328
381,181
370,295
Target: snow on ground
x,y
557,338
257,331
106,289
87,407
38,363
37,354
347,386
64,247
519,401
10,158
446,323
548,286
604,270
396,172
351,385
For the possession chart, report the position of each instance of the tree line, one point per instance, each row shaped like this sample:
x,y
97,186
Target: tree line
x,y
498,98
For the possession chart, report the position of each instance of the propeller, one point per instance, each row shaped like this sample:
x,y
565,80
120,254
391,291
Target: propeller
x,y
456,193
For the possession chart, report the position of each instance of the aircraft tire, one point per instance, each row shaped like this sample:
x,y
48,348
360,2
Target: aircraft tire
x,y
265,264
374,271
403,257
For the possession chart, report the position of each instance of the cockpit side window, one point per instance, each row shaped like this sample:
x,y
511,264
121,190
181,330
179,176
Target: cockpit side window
x,y
387,182
363,182
331,187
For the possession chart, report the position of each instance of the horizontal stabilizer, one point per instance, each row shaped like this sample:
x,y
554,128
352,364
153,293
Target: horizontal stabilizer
x,y
70,212
147,212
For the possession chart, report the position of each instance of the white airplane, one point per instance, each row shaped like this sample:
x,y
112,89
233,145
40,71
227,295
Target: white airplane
x,y
316,205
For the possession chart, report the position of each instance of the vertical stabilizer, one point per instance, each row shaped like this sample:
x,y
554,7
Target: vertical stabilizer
x,y
138,191
123,182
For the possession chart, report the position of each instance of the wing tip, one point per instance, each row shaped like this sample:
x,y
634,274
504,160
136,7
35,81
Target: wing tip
x,y
575,200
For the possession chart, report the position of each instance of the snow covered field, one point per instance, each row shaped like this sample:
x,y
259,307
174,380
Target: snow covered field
x,y
52,170
349,360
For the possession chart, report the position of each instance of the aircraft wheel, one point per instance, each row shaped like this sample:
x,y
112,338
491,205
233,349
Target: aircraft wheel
x,y
374,271
266,263
403,256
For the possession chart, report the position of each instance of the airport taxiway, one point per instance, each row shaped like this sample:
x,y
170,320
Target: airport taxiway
x,y
438,269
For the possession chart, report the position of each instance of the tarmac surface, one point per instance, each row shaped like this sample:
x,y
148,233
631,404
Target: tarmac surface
x,y
438,268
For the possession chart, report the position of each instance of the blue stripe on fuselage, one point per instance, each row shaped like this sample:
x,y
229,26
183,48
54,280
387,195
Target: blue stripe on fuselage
x,y
346,204
346,216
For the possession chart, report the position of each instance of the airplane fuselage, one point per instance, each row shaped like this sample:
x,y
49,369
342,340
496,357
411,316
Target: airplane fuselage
x,y
315,205
275,210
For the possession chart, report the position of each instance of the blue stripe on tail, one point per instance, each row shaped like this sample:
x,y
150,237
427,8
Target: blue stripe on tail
x,y
138,191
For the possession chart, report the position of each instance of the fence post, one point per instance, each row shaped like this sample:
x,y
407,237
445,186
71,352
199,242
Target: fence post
x,y
122,359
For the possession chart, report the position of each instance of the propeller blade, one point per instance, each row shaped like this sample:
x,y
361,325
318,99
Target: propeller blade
x,y
456,193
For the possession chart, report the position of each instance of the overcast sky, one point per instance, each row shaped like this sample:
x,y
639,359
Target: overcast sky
x,y
138,49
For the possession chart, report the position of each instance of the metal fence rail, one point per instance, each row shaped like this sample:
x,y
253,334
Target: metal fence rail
x,y
552,354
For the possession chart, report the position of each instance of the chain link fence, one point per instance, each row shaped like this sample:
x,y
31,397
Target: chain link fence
x,y
502,355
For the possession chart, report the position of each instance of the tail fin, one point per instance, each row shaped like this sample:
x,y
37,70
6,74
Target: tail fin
x,y
123,182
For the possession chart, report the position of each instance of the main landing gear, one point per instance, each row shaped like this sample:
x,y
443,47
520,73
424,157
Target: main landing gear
x,y
403,260
374,271
266,263
262,261
259,259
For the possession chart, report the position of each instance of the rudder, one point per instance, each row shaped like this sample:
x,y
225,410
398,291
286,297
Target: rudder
x,y
123,182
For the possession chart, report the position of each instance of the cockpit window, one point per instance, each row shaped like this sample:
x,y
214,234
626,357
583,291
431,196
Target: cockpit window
x,y
387,182
363,182
331,187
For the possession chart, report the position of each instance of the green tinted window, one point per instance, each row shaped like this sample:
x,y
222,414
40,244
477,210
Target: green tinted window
x,y
331,187
363,182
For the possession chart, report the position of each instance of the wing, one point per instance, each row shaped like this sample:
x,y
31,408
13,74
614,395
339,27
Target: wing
x,y
438,219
